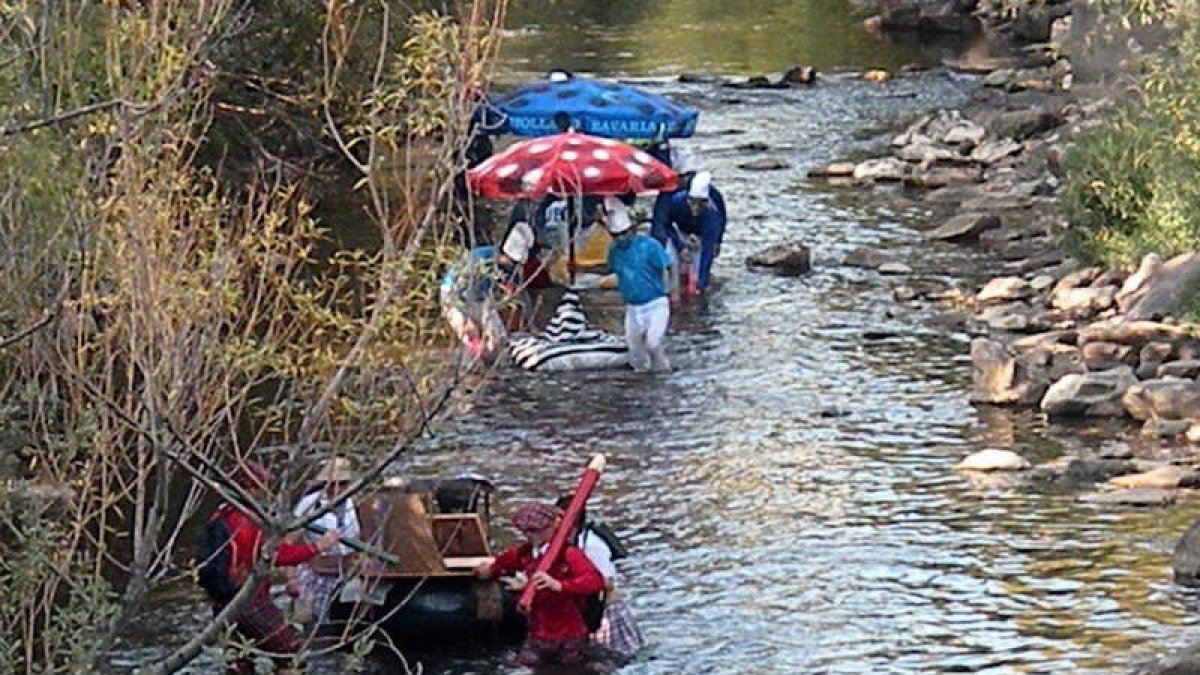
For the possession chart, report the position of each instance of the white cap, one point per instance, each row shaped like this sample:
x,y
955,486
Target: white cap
x,y
558,76
518,243
683,160
617,220
700,183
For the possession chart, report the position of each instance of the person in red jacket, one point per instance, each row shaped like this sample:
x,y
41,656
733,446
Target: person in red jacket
x,y
557,632
259,620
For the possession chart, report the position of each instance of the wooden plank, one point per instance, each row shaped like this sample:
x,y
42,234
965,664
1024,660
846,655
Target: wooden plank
x,y
399,523
459,535
466,562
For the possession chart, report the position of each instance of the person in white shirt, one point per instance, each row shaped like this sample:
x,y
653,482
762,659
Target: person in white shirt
x,y
618,632
316,590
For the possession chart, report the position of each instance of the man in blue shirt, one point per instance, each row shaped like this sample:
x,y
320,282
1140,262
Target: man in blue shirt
x,y
640,263
697,209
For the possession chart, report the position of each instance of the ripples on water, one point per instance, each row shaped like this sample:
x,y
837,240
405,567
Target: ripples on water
x,y
788,492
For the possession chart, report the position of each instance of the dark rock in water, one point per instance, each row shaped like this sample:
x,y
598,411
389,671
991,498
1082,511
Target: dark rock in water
x,y
698,78
758,82
1087,471
768,164
1186,560
1185,661
879,334
866,257
789,260
800,75
753,146
1021,124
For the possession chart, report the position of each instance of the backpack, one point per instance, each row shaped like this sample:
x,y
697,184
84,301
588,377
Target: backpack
x,y
592,610
212,557
606,534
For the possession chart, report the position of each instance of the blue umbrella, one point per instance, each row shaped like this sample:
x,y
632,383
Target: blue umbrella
x,y
595,107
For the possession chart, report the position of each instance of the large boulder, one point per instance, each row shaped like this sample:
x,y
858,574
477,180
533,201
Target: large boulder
x,y
790,260
1089,394
1163,399
1169,287
998,377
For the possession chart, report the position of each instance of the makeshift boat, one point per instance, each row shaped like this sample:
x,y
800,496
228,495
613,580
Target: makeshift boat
x,y
568,343
439,532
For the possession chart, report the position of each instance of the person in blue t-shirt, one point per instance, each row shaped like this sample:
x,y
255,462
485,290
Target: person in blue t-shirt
x,y
640,263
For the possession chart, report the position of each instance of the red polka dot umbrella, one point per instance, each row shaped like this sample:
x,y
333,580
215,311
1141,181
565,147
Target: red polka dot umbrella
x,y
569,163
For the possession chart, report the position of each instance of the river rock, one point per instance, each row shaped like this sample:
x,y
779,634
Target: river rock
x,y
1163,399
927,154
866,257
993,460
1166,476
1135,287
895,268
1020,124
1188,369
803,75
1186,560
1088,394
942,176
1173,284
1084,301
965,133
990,152
792,259
1156,352
965,227
1082,471
1106,355
1012,317
1041,282
1156,428
883,169
997,377
1138,497
1004,289
768,164
1131,332
1077,279
698,78
939,16
834,170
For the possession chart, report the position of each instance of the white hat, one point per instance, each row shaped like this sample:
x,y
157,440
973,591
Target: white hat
x,y
700,183
683,160
518,243
617,216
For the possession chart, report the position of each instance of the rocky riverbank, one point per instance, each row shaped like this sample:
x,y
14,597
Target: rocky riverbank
x,y
1050,333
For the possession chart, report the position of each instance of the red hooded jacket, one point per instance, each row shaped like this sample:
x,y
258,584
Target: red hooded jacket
x,y
554,615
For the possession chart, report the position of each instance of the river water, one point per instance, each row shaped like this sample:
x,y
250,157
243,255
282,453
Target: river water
x,y
788,492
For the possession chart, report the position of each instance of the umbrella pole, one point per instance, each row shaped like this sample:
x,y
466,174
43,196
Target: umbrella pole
x,y
572,220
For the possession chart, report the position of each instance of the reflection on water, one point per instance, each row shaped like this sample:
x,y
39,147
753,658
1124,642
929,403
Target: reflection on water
x,y
788,492
670,36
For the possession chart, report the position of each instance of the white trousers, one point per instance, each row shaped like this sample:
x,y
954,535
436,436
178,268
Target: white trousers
x,y
645,328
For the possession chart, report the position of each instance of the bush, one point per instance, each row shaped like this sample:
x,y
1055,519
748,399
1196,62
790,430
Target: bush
x,y
1131,187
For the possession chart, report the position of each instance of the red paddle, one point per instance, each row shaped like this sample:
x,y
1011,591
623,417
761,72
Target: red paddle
x,y
558,542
